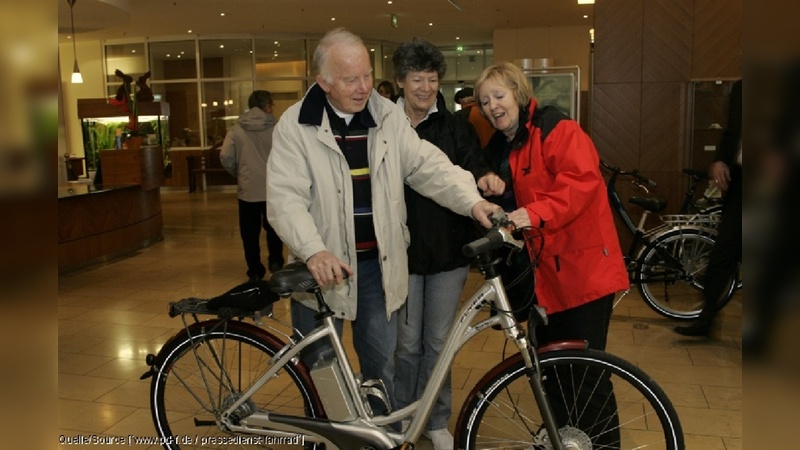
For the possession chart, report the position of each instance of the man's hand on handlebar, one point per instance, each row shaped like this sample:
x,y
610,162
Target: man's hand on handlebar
x,y
327,268
483,210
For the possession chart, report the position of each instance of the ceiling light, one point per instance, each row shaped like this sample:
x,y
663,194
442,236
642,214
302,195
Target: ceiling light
x,y
430,24
458,38
222,14
188,31
585,16
333,18
76,72
586,2
389,2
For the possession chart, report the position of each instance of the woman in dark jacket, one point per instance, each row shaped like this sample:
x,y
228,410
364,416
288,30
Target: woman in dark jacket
x,y
437,267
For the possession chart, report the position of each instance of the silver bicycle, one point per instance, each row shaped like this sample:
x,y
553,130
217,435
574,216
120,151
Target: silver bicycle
x,y
224,382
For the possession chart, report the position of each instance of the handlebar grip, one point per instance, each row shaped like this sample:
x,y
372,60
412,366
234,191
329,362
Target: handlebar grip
x,y
491,241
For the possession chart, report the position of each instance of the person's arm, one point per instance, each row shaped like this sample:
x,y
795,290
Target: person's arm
x,y
431,173
728,147
227,154
289,195
468,154
570,155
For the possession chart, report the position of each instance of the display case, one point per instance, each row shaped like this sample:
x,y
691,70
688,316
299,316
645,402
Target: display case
x,y
100,121
557,86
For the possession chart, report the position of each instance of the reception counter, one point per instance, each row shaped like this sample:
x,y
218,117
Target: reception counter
x,y
98,224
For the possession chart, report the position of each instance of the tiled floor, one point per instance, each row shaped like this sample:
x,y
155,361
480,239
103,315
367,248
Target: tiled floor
x,y
112,316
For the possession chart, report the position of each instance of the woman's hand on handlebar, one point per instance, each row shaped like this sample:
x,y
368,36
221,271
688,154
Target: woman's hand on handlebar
x,y
521,218
327,268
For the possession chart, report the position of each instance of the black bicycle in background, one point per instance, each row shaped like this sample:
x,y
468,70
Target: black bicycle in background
x,y
668,262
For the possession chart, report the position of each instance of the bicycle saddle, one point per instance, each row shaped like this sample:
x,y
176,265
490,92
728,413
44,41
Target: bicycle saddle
x,y
697,174
250,296
650,204
294,277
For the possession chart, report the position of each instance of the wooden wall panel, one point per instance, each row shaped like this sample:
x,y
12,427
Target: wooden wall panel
x,y
664,127
667,40
618,41
616,121
717,46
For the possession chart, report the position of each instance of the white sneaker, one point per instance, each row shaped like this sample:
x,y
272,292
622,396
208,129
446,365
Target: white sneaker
x,y
442,439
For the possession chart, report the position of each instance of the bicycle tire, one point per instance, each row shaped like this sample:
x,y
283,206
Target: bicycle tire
x,y
501,411
187,389
672,292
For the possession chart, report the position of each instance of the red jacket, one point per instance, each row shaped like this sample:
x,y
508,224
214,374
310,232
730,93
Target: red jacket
x,y
558,181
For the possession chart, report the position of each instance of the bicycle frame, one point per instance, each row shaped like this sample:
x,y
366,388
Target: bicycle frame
x,y
365,430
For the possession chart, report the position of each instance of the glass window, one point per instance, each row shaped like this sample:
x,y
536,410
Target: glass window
x,y
128,58
222,103
173,60
226,58
276,58
469,65
184,122
388,65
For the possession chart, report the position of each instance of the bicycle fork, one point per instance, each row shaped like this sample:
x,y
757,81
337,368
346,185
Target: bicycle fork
x,y
534,374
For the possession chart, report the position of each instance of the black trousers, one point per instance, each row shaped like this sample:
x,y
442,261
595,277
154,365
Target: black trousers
x,y
727,252
252,218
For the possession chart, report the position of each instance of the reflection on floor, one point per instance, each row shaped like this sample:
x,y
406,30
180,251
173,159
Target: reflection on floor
x,y
112,316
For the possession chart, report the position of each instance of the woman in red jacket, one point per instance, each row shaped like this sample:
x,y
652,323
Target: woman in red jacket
x,y
552,175
553,183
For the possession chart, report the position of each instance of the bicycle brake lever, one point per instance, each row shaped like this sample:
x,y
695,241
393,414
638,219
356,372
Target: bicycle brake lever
x,y
640,186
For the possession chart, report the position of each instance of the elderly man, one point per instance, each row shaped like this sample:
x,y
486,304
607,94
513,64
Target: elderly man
x,y
339,163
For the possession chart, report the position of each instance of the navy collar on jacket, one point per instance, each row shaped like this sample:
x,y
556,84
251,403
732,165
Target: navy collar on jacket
x,y
313,108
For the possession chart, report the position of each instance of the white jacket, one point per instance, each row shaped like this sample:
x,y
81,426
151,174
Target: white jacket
x,y
245,151
310,198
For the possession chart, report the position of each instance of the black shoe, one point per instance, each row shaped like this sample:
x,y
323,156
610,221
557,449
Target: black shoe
x,y
695,329
274,267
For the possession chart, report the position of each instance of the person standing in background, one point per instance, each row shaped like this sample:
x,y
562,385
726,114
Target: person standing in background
x,y
726,173
466,99
437,267
386,89
244,155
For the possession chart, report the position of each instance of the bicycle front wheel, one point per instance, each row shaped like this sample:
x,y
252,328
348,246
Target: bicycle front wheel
x,y
600,402
673,286
204,369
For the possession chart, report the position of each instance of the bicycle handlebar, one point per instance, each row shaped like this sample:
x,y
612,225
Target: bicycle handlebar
x,y
496,237
638,178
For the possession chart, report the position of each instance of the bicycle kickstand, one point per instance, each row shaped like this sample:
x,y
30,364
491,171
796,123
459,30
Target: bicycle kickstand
x,y
616,302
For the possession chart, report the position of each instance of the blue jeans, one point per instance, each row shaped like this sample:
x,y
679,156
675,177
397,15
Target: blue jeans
x,y
374,337
423,324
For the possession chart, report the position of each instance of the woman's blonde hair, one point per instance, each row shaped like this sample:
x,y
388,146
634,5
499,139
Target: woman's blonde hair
x,y
509,75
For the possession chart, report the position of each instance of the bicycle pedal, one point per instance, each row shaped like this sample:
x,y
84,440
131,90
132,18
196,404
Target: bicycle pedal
x,y
375,388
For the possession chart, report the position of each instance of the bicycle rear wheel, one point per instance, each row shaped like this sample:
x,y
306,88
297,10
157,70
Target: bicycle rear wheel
x,y
676,292
600,402
204,369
